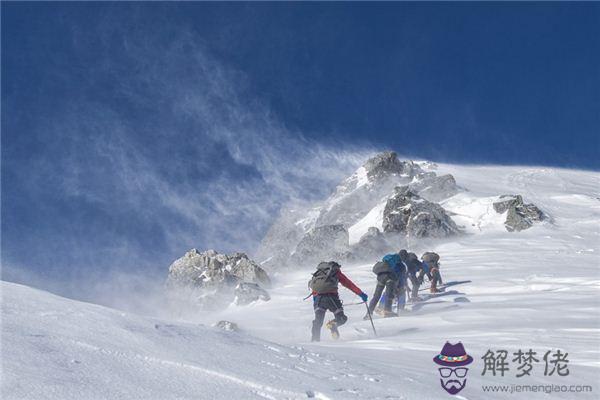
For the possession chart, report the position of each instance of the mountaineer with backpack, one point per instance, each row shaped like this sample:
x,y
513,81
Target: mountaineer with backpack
x,y
431,268
413,266
390,273
324,287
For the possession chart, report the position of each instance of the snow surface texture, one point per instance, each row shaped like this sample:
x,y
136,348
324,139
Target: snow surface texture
x,y
538,289
56,348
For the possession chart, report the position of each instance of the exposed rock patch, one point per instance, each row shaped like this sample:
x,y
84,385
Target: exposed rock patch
x,y
246,293
328,242
410,214
519,215
372,244
227,326
387,163
208,280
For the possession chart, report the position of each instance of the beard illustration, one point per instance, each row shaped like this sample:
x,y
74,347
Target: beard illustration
x,y
453,386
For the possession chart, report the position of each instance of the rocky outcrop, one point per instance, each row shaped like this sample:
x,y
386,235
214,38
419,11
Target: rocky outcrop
x,y
360,192
246,293
227,326
377,178
208,279
247,270
387,163
209,268
426,184
371,244
197,269
519,216
408,213
329,242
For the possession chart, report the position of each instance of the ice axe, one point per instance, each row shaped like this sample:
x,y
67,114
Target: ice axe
x,y
370,318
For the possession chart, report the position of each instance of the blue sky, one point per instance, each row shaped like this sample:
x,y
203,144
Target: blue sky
x,y
132,132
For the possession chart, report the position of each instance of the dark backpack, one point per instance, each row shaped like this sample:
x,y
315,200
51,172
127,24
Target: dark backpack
x,y
412,263
325,279
431,259
381,267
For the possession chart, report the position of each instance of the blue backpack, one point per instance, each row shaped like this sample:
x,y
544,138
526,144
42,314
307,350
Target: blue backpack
x,y
395,263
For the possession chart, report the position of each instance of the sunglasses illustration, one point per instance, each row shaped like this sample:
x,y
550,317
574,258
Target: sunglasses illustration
x,y
459,372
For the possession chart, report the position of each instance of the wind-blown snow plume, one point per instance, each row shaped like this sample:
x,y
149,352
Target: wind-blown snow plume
x,y
187,156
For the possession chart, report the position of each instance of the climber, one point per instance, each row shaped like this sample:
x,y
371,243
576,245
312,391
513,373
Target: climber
x,y
431,268
324,287
413,266
390,273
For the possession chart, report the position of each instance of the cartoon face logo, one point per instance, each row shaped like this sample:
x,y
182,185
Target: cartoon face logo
x,y
452,384
453,373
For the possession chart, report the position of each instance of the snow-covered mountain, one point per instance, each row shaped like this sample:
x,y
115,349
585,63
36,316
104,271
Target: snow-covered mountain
x,y
536,288
381,207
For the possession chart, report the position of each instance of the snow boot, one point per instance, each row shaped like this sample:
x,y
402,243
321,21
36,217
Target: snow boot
x,y
332,326
379,311
434,288
415,299
389,314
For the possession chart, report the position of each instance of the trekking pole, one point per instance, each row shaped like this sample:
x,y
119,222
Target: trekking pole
x,y
370,318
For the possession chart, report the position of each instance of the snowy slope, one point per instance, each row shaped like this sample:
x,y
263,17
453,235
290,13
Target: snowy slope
x,y
56,348
538,289
374,218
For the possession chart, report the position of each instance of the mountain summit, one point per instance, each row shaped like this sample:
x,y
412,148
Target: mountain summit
x,y
334,227
384,203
